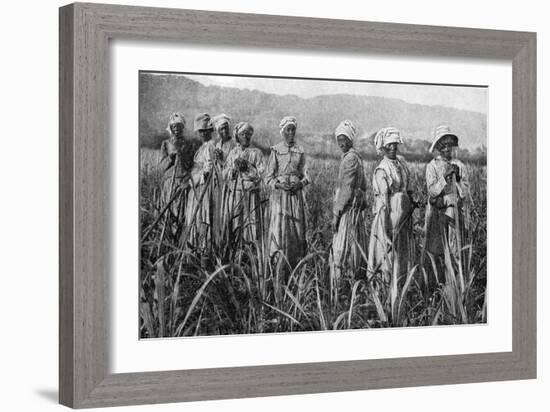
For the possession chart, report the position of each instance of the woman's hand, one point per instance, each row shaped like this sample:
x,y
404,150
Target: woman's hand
x,y
452,170
295,187
456,171
243,166
414,203
282,186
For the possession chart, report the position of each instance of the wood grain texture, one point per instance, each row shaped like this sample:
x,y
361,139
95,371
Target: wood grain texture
x,y
524,207
85,31
66,229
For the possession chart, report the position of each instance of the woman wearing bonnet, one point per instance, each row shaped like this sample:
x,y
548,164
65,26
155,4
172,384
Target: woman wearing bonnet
x,y
391,243
448,191
287,175
349,242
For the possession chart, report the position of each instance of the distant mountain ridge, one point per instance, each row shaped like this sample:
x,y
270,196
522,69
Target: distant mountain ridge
x,y
317,117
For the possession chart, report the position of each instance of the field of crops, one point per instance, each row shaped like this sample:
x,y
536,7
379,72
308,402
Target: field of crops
x,y
243,293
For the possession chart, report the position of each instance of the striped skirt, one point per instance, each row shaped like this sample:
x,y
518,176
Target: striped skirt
x,y
287,225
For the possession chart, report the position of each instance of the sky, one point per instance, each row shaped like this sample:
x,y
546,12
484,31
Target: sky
x,y
459,97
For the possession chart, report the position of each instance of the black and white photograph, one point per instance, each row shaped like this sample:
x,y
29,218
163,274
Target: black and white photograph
x,y
271,206
287,204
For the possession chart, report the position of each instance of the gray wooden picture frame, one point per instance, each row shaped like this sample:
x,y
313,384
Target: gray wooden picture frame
x,y
85,31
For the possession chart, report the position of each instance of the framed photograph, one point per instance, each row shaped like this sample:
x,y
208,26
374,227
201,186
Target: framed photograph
x,y
256,205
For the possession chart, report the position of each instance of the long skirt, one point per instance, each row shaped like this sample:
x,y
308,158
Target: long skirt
x,y
349,244
168,188
442,237
391,251
287,226
226,213
440,225
244,216
199,218
175,215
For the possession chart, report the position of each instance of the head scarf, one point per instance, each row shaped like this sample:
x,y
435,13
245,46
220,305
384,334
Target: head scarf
x,y
386,136
346,128
287,121
242,126
175,118
220,120
439,133
203,122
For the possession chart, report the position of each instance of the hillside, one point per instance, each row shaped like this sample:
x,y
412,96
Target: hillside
x,y
317,117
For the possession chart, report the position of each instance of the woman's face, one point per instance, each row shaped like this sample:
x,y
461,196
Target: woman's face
x,y
205,134
177,129
244,136
289,133
344,143
223,132
390,151
445,147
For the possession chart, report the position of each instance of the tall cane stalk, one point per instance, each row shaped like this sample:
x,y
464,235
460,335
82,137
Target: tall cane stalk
x,y
458,236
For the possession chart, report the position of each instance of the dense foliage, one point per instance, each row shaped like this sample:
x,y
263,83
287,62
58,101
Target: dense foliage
x,y
242,292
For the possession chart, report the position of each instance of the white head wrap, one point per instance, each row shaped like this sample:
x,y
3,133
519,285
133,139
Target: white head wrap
x,y
220,120
242,126
346,128
386,136
287,121
175,118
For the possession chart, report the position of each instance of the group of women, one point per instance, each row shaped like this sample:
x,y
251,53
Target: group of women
x,y
236,172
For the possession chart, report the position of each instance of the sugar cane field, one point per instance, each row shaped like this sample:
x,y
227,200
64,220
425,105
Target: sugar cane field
x,y
242,293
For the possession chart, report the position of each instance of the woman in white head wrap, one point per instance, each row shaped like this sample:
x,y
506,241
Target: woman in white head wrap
x,y
225,143
223,146
287,175
448,191
391,244
349,241
243,171
176,163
